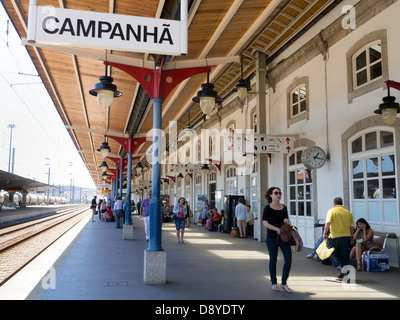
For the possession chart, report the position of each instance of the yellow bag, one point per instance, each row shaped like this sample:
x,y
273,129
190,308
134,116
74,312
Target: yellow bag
x,y
323,251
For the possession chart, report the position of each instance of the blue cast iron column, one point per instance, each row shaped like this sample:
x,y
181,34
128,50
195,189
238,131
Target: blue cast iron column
x,y
128,217
121,180
155,202
158,90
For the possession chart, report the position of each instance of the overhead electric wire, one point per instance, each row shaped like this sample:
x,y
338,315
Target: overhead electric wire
x,y
11,85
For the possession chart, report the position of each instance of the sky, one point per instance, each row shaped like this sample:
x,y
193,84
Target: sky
x,y
39,136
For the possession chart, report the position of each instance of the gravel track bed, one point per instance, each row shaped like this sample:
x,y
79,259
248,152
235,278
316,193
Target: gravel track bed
x,y
14,258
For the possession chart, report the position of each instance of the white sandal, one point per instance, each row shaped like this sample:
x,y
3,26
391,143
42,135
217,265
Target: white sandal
x,y
275,287
286,288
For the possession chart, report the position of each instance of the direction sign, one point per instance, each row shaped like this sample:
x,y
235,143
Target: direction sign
x,y
273,144
258,143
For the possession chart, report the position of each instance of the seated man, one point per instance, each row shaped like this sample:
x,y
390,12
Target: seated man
x,y
109,216
216,219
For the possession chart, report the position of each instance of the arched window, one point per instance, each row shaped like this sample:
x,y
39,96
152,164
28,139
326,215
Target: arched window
x,y
254,120
187,191
373,177
231,126
213,176
231,181
300,187
367,64
197,190
212,187
298,100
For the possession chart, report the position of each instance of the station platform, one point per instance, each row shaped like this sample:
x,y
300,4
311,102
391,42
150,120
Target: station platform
x,y
97,264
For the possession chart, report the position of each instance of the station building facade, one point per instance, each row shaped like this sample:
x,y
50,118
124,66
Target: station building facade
x,y
322,90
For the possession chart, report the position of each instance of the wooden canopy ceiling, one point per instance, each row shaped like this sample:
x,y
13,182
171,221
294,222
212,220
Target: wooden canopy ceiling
x,y
216,29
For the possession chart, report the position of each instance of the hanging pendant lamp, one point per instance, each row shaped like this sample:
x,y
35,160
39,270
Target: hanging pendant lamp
x,y
105,90
207,96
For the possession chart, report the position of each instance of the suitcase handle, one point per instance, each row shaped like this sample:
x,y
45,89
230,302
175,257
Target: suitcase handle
x,y
376,249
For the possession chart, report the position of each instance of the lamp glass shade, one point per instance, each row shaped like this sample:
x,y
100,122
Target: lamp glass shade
x,y
104,152
138,168
105,98
205,168
242,92
207,104
389,115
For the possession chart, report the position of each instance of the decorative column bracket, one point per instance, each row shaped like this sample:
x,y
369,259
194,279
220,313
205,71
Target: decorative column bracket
x,y
129,144
215,163
113,171
159,83
172,178
121,163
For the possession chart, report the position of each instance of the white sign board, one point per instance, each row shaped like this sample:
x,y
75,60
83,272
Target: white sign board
x,y
184,168
49,25
258,143
273,144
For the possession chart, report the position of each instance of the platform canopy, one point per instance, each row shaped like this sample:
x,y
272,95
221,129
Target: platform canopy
x,y
11,182
216,29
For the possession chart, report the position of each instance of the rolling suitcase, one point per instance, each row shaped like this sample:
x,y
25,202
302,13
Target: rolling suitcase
x,y
209,225
375,261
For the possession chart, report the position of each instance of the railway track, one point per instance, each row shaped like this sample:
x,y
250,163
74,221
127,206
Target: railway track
x,y
20,244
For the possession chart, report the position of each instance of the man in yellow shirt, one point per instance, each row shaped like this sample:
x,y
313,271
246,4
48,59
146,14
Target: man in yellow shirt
x,y
340,223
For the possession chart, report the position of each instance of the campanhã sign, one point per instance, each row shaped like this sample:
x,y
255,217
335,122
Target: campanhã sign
x,y
67,27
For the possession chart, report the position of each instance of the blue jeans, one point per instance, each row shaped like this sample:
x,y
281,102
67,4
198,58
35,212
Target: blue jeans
x,y
320,240
180,223
273,258
118,214
341,256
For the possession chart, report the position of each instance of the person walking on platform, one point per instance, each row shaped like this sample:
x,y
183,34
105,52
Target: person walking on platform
x,y
340,223
93,207
118,211
145,215
274,216
242,216
180,210
204,212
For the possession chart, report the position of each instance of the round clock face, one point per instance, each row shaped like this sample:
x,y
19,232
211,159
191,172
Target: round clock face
x,y
313,157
